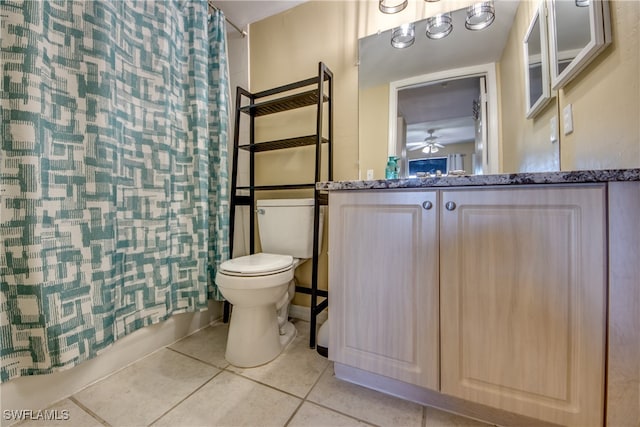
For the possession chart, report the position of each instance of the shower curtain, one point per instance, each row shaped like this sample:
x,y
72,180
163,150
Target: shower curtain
x,y
113,173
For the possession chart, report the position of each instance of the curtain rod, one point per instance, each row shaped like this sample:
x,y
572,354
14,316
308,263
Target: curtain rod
x,y
241,31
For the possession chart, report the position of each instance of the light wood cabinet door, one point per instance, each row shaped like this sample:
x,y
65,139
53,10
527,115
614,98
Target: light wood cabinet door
x,y
383,280
523,297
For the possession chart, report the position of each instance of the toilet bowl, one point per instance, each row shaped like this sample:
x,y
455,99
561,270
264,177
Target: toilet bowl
x,y
261,286
257,286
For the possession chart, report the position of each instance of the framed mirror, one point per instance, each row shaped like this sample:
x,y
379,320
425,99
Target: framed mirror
x,y
536,64
405,93
578,31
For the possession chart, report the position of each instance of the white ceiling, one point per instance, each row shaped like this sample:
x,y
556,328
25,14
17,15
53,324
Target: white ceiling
x,y
245,12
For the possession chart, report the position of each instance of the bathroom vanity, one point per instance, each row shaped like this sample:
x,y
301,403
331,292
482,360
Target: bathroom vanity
x,y
509,298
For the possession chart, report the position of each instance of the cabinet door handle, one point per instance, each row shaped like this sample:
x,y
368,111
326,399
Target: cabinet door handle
x,y
427,205
450,206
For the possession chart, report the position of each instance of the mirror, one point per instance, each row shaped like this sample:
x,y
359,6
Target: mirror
x,y
536,69
578,31
444,116
443,70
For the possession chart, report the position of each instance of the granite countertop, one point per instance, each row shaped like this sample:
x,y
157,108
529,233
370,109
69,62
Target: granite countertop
x,y
567,177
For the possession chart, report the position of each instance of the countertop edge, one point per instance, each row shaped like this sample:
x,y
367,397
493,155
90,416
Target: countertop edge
x,y
565,177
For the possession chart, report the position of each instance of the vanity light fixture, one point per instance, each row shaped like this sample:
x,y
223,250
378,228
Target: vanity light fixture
x,y
439,26
403,36
431,1
582,3
392,6
480,15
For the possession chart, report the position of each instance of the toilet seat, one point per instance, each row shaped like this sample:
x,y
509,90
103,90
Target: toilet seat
x,y
257,265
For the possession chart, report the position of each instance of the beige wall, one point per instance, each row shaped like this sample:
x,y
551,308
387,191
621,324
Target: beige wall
x,y
605,98
287,48
525,144
374,129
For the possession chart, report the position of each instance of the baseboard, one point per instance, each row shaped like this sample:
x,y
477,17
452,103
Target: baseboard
x,y
304,313
433,398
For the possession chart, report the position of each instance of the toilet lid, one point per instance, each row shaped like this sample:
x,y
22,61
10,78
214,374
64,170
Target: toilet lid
x,y
257,264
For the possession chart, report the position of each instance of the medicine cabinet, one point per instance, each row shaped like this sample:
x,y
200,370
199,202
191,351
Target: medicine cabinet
x,y
578,31
536,63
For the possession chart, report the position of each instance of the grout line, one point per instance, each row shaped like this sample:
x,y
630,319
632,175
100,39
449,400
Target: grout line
x,y
330,366
424,416
263,384
317,380
294,413
369,423
304,399
89,411
197,359
344,414
186,397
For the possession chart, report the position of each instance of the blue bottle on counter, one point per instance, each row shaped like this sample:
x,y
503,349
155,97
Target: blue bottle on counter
x,y
391,171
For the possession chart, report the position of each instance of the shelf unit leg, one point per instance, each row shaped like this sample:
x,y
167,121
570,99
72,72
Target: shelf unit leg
x,y
312,332
226,312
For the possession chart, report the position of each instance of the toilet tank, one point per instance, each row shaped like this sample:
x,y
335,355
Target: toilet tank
x,y
285,226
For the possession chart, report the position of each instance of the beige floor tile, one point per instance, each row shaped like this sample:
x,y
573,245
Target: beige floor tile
x,y
365,404
295,371
312,415
64,413
230,400
142,392
438,418
207,345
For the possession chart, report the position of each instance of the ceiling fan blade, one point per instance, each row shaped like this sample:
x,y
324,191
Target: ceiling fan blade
x,y
438,145
418,147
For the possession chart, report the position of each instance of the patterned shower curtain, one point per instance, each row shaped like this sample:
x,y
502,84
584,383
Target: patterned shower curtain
x,y
219,101
113,173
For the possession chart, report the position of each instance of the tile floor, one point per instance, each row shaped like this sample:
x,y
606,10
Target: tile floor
x,y
189,383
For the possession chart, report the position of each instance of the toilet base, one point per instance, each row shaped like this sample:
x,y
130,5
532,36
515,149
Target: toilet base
x,y
254,336
290,333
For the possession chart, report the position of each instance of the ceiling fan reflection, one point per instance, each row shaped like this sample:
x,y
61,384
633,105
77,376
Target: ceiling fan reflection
x,y
428,146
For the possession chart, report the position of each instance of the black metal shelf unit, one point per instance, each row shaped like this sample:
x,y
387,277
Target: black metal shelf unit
x,y
318,90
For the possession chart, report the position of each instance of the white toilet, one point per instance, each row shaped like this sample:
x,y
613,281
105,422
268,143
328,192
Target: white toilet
x,y
260,286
